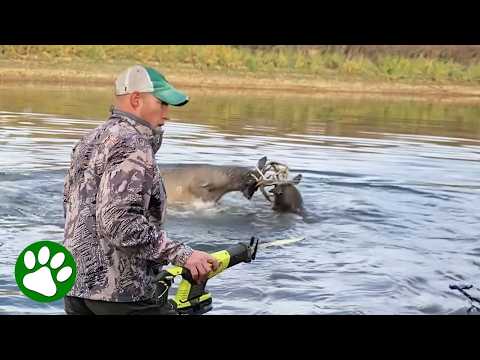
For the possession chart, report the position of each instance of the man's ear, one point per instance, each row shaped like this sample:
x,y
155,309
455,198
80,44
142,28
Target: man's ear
x,y
135,99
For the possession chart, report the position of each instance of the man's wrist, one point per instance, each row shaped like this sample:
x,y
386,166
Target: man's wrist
x,y
182,258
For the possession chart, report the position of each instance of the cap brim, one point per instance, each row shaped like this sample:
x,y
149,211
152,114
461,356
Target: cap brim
x,y
171,96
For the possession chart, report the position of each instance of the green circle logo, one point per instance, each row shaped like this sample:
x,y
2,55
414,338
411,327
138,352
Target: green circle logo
x,y
45,271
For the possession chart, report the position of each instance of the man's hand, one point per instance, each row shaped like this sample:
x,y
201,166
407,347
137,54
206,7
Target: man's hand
x,y
200,264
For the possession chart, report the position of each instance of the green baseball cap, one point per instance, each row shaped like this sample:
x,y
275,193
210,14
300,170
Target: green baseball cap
x,y
145,79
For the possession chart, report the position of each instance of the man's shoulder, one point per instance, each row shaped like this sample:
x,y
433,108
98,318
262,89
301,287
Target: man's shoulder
x,y
123,132
117,127
123,136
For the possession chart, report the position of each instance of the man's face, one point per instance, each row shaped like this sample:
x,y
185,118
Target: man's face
x,y
153,110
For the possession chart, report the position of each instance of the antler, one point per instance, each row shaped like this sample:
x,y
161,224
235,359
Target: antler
x,y
273,173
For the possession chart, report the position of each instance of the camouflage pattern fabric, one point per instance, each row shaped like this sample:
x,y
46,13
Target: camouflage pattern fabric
x,y
114,207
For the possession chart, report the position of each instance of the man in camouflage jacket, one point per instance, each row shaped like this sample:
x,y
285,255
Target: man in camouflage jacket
x,y
115,202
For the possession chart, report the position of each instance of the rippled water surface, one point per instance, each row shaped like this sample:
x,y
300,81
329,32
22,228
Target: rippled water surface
x,y
391,190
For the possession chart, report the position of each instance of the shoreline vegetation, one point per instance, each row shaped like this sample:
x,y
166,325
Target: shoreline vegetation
x,y
440,73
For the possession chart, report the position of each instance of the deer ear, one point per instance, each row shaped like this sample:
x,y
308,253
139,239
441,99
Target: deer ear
x,y
261,163
297,179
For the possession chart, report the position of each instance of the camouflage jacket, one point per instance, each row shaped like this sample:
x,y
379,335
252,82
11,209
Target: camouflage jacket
x,y
114,207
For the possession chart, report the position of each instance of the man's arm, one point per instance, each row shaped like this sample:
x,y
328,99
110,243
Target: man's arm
x,y
124,191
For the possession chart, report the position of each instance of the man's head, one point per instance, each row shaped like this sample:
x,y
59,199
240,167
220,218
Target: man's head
x,y
146,93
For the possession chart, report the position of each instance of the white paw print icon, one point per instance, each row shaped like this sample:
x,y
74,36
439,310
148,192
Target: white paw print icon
x,y
41,280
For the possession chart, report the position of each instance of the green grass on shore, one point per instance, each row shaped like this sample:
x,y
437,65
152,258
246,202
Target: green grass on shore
x,y
228,59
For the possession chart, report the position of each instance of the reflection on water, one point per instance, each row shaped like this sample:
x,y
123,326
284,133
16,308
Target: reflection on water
x,y
390,188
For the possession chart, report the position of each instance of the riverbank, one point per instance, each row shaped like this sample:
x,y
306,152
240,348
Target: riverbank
x,y
87,73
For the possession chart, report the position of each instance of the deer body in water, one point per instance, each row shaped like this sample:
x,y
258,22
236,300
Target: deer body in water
x,y
187,183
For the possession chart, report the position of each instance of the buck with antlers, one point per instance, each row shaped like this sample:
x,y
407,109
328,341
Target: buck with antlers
x,y
284,197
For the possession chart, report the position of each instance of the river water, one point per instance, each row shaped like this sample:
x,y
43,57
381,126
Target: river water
x,y
391,189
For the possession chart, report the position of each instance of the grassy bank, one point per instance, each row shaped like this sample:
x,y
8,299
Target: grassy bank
x,y
285,60
239,67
